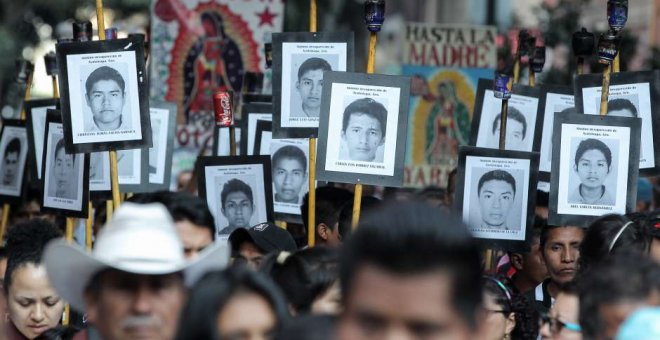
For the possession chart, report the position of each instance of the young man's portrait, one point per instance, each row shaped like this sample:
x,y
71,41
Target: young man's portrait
x,y
289,174
516,129
105,95
9,170
237,205
621,107
63,179
364,126
496,191
309,86
96,166
592,164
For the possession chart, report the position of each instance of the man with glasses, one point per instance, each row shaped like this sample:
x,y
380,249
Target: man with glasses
x,y
562,322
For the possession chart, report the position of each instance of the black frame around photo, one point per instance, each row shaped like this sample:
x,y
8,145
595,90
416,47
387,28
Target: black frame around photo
x,y
130,183
12,128
477,167
36,111
628,87
221,140
577,134
553,98
252,114
102,62
264,127
286,210
163,145
485,126
64,206
343,158
287,49
253,171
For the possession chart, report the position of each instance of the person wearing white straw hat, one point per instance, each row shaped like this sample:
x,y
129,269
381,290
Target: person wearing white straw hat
x,y
133,284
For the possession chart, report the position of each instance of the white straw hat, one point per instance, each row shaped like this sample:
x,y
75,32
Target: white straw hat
x,y
140,239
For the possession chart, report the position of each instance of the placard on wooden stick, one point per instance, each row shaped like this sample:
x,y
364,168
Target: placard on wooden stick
x,y
362,134
595,166
36,111
13,158
163,127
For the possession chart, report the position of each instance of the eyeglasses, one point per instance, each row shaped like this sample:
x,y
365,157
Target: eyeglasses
x,y
557,325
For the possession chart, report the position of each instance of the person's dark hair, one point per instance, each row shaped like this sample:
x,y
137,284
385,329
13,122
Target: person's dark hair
x,y
514,114
329,201
533,235
183,206
234,185
369,107
14,145
496,175
652,224
542,198
308,327
290,151
209,296
60,146
412,238
616,279
25,244
611,234
312,64
526,317
104,73
593,144
368,204
621,104
303,276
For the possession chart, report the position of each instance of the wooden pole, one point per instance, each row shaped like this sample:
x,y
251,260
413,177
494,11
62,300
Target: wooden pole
x,y
232,141
516,69
372,53
100,19
503,119
605,90
311,196
616,66
580,66
532,77
109,208
89,224
56,92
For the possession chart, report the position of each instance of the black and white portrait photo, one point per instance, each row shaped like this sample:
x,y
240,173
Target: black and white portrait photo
x,y
13,157
99,171
290,168
36,112
631,94
253,113
237,194
64,174
363,125
593,165
555,100
104,96
521,118
495,192
159,163
299,61
264,137
129,169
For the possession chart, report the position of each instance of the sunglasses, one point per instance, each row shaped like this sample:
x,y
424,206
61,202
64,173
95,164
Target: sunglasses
x,y
557,325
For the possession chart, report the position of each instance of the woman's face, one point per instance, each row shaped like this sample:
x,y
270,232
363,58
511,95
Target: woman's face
x,y
247,316
592,168
329,302
32,303
496,323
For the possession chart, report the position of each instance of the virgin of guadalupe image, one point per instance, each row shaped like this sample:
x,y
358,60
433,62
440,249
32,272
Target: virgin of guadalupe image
x,y
448,125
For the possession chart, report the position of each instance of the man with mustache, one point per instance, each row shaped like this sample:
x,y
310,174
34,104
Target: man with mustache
x,y
105,96
133,284
309,86
497,191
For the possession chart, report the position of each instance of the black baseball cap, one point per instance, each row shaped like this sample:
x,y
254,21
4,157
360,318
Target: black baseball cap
x,y
266,236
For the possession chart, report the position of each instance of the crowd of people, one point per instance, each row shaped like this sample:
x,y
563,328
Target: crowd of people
x,y
410,270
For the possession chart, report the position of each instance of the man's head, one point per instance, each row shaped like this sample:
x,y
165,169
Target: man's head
x,y
563,322
496,190
410,271
62,163
329,203
560,247
237,203
593,162
105,97
516,128
310,84
10,162
529,264
612,290
249,246
364,128
132,284
621,107
289,173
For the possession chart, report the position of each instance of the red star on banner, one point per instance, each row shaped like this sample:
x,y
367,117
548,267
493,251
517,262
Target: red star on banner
x,y
266,17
